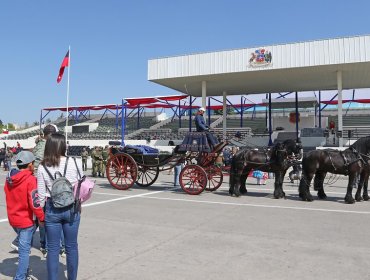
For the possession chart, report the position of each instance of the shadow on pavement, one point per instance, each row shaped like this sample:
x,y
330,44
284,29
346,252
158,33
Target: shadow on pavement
x,y
8,267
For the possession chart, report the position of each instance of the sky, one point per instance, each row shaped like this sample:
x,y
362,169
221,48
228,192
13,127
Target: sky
x,y
112,40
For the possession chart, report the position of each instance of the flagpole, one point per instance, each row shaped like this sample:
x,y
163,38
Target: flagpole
x,y
65,129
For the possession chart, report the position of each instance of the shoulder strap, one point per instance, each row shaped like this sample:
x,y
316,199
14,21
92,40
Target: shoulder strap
x,y
78,170
65,167
47,171
51,177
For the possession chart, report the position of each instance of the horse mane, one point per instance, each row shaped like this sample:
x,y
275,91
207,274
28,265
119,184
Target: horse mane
x,y
362,145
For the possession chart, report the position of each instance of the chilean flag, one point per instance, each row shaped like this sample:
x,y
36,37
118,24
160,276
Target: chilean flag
x,y
65,63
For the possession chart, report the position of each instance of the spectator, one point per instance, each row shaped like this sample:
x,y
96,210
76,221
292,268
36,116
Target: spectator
x,y
227,156
57,220
2,157
22,204
84,156
8,159
177,169
38,152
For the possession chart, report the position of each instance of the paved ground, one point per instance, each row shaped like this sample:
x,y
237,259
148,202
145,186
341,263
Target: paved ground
x,y
162,233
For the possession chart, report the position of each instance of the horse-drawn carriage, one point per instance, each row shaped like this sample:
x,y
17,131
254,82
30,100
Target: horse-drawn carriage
x,y
141,165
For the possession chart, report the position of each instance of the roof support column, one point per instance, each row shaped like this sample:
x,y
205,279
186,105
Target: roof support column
x,y
340,109
204,94
320,108
224,115
296,117
270,121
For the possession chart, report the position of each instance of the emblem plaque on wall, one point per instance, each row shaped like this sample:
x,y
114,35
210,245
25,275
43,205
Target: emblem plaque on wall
x,y
260,57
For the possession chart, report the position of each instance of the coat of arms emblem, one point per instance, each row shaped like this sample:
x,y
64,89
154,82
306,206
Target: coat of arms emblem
x,y
260,57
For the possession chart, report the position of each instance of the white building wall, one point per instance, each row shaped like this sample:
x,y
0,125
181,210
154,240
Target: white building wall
x,y
303,54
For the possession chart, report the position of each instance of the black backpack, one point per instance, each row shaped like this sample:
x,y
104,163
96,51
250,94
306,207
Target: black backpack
x,y
61,192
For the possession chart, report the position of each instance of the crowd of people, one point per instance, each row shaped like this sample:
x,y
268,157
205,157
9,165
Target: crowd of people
x,y
29,196
7,153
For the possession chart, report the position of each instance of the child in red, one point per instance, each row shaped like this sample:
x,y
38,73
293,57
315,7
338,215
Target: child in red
x,y
22,205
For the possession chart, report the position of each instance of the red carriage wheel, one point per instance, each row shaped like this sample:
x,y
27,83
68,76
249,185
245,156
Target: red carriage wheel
x,y
214,176
193,179
121,171
146,176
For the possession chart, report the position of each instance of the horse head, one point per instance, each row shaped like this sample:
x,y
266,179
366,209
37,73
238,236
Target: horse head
x,y
362,145
279,153
294,148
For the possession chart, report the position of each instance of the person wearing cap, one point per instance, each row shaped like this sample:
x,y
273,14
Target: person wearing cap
x,y
201,126
22,203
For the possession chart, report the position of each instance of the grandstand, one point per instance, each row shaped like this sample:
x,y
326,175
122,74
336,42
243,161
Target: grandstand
x,y
149,126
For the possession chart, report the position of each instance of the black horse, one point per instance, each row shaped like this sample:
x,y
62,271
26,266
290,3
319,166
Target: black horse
x,y
277,160
352,162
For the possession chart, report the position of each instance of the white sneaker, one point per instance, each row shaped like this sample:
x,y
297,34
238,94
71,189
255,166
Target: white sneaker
x,y
62,253
44,252
14,247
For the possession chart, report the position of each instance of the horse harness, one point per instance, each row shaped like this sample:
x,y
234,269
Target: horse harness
x,y
347,163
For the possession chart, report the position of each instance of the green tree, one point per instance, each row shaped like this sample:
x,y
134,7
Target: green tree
x,y
11,127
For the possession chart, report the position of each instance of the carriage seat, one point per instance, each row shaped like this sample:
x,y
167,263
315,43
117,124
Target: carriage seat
x,y
140,150
195,142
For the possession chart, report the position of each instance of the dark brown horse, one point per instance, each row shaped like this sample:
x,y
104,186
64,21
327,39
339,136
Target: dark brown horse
x,y
352,162
276,159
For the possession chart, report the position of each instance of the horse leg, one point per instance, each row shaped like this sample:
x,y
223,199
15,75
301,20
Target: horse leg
x,y
352,178
282,181
278,192
304,186
358,196
243,181
365,194
319,184
235,183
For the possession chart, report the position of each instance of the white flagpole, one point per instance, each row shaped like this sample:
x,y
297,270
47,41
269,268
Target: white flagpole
x,y
65,129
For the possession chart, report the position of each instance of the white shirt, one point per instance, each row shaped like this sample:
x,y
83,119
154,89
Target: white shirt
x,y
44,180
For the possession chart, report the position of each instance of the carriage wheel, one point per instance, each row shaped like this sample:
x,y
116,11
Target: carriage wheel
x,y
146,176
214,176
121,171
193,179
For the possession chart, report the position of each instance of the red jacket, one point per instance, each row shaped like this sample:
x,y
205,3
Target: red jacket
x,y
22,200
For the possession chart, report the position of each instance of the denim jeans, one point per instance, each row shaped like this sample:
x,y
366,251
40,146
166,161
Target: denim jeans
x,y
24,247
56,221
177,169
44,241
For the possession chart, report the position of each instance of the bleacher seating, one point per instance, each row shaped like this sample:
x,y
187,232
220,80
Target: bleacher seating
x,y
25,135
75,150
312,132
258,125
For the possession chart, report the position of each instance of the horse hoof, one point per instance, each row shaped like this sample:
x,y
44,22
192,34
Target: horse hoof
x,y
279,195
309,198
243,190
321,196
366,197
358,198
349,199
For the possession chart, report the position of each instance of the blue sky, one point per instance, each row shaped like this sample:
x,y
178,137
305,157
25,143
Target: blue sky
x,y
112,40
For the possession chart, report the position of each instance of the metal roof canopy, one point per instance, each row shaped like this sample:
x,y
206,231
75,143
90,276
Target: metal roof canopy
x,y
284,103
305,66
